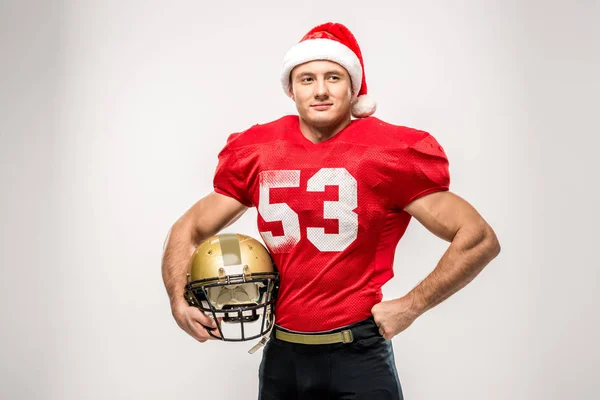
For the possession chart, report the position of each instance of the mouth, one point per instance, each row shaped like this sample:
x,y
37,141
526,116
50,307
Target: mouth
x,y
322,106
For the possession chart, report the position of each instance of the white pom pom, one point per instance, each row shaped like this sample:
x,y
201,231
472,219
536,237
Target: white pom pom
x,y
364,106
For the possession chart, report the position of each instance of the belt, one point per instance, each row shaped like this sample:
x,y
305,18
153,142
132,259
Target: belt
x,y
344,336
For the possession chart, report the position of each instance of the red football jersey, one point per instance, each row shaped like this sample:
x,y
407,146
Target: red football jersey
x,y
330,213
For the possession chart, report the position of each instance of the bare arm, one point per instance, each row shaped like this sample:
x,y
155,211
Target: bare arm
x,y
473,246
204,219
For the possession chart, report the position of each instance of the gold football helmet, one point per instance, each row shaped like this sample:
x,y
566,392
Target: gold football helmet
x,y
233,279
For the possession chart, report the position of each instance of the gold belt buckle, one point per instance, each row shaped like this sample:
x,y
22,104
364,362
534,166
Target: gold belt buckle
x,y
347,336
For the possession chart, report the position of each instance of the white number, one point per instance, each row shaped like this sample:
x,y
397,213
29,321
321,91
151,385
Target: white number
x,y
342,210
279,212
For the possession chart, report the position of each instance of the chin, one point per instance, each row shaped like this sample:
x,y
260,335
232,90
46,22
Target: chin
x,y
321,119
321,122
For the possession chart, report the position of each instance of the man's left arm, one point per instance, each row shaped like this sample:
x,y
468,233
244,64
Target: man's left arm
x,y
473,244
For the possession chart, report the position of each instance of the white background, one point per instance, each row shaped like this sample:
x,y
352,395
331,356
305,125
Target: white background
x,y
112,115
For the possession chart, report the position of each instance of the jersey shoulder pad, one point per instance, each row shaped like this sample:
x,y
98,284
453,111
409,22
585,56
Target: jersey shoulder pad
x,y
396,136
261,133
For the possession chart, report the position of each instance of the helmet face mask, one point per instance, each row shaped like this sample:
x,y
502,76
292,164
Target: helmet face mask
x,y
239,294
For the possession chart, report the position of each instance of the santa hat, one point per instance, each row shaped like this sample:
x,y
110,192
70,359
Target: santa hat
x,y
333,42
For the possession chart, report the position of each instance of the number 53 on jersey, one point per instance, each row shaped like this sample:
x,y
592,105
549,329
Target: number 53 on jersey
x,y
342,209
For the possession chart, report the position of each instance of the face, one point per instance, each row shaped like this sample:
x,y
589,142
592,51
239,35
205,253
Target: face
x,y
322,91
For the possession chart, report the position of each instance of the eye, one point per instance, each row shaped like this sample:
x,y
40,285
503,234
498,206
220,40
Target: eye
x,y
306,79
334,77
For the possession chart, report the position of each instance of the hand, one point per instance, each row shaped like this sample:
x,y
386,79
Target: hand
x,y
194,321
394,316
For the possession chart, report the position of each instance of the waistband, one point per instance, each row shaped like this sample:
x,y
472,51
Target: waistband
x,y
346,334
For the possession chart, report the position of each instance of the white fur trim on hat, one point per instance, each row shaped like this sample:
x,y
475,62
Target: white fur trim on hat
x,y
321,49
364,106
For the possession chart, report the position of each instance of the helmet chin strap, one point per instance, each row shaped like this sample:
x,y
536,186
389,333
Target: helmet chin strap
x,y
262,341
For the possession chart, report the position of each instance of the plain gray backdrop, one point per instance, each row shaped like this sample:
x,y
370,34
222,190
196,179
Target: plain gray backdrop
x,y
112,115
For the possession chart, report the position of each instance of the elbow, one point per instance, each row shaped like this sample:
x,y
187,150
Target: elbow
x,y
480,238
180,225
492,244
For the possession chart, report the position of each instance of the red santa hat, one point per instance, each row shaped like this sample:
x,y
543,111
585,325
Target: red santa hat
x,y
333,42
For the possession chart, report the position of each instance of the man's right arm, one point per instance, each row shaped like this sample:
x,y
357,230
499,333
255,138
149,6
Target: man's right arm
x,y
204,219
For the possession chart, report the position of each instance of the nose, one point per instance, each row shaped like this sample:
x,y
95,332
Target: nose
x,y
321,89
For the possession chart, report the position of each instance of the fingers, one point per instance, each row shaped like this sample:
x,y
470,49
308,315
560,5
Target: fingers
x,y
376,319
379,316
202,318
199,332
214,332
196,324
204,326
380,328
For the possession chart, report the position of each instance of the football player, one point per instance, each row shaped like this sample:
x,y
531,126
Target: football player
x,y
334,196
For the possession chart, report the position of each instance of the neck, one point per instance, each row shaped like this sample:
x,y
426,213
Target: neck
x,y
317,134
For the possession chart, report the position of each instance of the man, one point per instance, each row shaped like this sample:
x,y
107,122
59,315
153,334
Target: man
x,y
334,196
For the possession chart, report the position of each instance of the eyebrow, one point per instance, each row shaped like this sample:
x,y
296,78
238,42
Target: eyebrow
x,y
330,72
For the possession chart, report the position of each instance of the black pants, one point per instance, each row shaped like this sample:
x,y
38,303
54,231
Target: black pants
x,y
363,369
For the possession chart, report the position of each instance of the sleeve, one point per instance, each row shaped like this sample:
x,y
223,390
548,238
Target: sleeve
x,y
423,169
229,180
